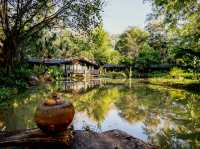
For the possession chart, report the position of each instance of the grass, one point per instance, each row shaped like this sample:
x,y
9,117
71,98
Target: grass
x,y
187,84
114,75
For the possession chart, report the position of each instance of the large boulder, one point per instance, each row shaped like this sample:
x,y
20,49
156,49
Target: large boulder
x,y
113,139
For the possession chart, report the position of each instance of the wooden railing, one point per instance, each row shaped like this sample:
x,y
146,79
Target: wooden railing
x,y
94,72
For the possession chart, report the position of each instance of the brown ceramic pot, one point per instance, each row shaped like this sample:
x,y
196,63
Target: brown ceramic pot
x,y
54,115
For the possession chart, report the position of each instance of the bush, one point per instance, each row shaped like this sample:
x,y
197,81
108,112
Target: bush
x,y
180,73
23,72
155,74
38,70
115,75
147,56
18,78
55,72
176,72
6,93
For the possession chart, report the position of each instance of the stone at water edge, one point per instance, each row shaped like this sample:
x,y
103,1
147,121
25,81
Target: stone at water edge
x,y
112,139
33,80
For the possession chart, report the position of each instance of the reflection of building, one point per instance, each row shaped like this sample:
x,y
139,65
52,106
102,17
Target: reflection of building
x,y
71,67
78,87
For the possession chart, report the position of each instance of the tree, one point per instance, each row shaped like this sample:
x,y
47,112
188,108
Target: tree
x,y
181,18
158,38
95,46
20,19
102,46
41,45
130,42
70,44
147,56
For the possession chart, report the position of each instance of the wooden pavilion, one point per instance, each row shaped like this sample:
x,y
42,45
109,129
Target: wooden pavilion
x,y
70,67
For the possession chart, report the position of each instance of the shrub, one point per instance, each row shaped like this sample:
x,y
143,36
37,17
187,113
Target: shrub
x,y
6,93
147,56
176,73
23,72
157,74
186,74
18,78
115,75
55,72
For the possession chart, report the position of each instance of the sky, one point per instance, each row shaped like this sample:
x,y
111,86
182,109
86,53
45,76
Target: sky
x,y
118,15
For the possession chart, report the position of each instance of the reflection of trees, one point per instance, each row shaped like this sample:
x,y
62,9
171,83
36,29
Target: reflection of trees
x,y
130,109
181,122
136,103
97,102
171,117
18,112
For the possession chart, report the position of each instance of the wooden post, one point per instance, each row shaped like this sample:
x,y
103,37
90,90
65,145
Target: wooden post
x,y
65,70
130,72
85,72
130,82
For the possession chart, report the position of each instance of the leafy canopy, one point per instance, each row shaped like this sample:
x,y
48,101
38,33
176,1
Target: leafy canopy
x,y
22,19
131,41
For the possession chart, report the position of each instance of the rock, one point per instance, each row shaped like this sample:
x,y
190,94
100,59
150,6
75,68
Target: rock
x,y
33,80
81,139
113,139
48,77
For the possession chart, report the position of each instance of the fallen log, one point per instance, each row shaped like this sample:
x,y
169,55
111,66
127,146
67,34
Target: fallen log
x,y
78,139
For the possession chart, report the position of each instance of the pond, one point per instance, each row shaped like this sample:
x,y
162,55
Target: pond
x,y
164,116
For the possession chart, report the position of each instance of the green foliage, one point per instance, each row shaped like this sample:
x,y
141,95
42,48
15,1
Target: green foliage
x,y
179,73
157,34
187,84
23,22
181,20
42,45
114,57
150,74
176,72
55,72
158,38
102,47
157,74
95,46
147,56
126,61
6,93
23,72
130,42
16,79
115,75
11,84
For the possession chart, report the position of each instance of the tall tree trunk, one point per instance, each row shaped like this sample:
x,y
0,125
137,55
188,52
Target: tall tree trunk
x,y
9,52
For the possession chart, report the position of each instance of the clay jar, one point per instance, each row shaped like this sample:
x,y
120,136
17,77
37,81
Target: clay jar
x,y
54,115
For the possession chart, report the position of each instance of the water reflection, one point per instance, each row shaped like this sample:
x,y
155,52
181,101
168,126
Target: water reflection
x,y
167,117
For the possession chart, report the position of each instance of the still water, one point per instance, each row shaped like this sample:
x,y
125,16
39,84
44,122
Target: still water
x,y
164,116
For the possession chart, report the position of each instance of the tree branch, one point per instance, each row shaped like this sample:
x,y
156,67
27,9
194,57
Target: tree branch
x,y
45,20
